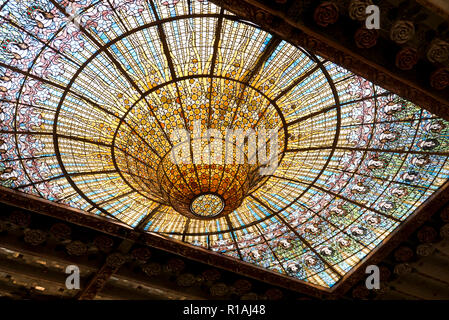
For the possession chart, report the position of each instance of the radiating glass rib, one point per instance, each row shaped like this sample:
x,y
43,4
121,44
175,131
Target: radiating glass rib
x,y
231,228
113,199
142,224
186,227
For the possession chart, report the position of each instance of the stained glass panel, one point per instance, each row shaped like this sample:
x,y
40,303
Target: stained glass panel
x,y
93,91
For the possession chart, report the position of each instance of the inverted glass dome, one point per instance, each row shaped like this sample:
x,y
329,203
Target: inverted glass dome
x,y
94,92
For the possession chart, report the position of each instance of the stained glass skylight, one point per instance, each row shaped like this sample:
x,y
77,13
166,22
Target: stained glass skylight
x,y
91,92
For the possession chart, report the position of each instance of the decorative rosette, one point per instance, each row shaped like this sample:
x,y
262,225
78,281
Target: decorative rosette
x,y
402,268
76,248
445,215
174,266
61,231
407,58
326,13
35,237
425,250
211,275
141,254
438,51
242,286
440,79
115,260
274,294
402,31
104,243
444,232
357,9
20,219
219,289
186,280
366,38
152,269
427,234
403,254
250,296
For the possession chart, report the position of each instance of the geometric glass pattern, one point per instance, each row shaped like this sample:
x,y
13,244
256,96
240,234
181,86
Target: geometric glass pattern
x,y
91,91
207,205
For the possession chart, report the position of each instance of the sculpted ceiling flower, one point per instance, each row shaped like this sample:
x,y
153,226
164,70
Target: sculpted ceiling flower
x,y
403,254
402,268
406,59
425,250
274,294
427,234
326,13
186,280
76,248
438,51
35,237
115,260
357,9
219,290
242,286
366,38
141,254
104,243
402,31
152,269
61,231
444,232
440,79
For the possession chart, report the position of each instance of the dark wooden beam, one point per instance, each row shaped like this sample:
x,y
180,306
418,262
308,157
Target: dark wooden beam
x,y
120,230
105,225
101,277
440,7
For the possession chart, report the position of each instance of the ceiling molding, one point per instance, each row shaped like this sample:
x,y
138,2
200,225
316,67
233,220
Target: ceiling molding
x,y
440,7
88,220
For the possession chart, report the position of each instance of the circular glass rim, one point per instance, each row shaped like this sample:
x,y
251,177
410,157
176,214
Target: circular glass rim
x,y
215,195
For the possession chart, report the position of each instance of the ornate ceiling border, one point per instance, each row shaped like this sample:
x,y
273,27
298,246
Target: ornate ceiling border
x,y
113,228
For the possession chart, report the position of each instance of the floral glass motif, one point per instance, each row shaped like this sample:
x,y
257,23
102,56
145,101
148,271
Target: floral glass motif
x,y
91,90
